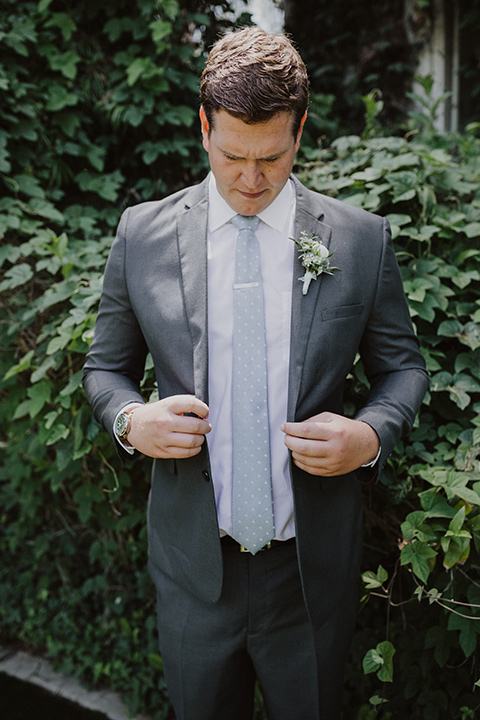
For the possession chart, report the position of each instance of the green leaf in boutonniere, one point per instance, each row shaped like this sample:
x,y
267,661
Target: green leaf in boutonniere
x,y
315,258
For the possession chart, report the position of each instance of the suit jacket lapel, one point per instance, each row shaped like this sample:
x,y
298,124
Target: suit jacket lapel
x,y
192,248
308,219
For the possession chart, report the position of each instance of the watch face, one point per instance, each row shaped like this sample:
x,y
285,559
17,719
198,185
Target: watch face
x,y
121,425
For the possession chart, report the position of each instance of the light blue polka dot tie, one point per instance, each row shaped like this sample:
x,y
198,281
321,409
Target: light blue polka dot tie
x,y
252,510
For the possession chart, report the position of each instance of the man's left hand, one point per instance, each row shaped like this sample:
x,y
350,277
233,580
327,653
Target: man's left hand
x,y
329,444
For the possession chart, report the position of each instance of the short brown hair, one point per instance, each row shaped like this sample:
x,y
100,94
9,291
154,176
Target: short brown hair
x,y
253,75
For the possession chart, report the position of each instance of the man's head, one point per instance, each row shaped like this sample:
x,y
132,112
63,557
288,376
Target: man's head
x,y
254,96
254,75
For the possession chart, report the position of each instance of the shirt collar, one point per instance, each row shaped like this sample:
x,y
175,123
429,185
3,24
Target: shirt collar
x,y
275,215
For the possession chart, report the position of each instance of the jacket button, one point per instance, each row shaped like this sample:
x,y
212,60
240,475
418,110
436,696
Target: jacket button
x,y
206,475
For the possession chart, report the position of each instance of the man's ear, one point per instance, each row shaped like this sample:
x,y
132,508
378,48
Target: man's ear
x,y
300,131
205,125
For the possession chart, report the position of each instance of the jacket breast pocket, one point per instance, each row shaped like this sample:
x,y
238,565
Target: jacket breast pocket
x,y
342,312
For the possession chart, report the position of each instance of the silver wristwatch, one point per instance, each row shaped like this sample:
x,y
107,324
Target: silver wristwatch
x,y
122,424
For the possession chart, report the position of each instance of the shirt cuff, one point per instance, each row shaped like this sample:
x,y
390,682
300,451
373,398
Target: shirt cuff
x,y
371,463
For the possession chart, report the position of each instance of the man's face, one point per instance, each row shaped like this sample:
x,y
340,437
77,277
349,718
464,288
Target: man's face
x,y
251,163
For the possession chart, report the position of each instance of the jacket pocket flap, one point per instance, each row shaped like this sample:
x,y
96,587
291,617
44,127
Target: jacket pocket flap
x,y
343,311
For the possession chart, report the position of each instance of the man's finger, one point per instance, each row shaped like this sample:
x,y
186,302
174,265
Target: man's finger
x,y
310,460
307,430
188,424
311,469
179,453
307,448
185,441
184,404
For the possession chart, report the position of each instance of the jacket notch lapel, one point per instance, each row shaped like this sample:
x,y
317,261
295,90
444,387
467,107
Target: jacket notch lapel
x,y
303,306
192,248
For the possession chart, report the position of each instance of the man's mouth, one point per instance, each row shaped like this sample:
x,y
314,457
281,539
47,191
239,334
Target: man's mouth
x,y
250,195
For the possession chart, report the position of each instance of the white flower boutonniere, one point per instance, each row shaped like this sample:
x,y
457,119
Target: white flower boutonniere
x,y
315,258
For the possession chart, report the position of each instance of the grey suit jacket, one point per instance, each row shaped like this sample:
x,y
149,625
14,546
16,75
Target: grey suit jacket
x,y
155,300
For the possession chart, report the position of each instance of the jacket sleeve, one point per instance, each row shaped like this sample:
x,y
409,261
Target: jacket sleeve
x,y
392,359
115,363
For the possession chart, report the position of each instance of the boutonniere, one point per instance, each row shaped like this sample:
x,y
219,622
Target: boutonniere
x,y
315,258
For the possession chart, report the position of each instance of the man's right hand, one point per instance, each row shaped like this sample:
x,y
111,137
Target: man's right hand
x,y
164,429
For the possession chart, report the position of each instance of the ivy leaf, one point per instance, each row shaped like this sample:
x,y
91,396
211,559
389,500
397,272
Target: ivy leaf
x,y
73,384
380,660
457,551
134,116
161,29
64,22
46,210
39,394
16,276
106,186
376,701
59,341
416,288
440,641
374,580
458,487
59,432
441,381
399,219
24,364
66,63
28,185
85,496
59,98
468,361
155,661
425,309
450,328
468,632
414,528
115,27
170,8
137,68
457,523
420,556
43,5
474,526
471,335
435,505
403,185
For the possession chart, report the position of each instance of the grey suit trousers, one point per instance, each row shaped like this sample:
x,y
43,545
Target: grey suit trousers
x,y
259,629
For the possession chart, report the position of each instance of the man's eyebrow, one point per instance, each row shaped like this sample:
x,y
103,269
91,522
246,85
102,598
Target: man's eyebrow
x,y
273,156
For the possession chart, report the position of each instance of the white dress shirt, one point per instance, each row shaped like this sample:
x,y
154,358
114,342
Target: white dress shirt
x,y
276,261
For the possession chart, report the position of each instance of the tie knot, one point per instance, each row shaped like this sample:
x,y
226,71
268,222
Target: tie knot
x,y
246,222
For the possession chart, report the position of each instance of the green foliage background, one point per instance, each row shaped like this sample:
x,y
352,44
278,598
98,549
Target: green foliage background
x,y
351,47
98,111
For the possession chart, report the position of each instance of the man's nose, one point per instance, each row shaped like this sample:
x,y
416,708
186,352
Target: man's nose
x,y
252,175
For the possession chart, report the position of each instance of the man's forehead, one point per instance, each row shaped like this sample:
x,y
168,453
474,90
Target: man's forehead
x,y
272,137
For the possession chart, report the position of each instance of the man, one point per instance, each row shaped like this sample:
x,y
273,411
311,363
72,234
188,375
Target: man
x,y
175,286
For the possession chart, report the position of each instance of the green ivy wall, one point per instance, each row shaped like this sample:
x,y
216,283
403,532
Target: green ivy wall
x,y
98,111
